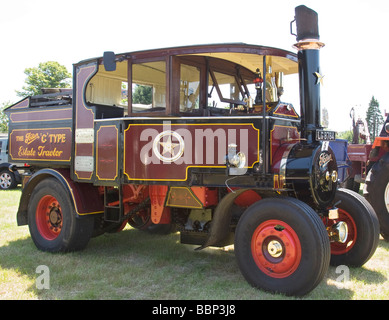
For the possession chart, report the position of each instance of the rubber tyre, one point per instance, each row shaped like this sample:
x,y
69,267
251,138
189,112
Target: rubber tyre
x,y
363,228
377,182
71,233
306,230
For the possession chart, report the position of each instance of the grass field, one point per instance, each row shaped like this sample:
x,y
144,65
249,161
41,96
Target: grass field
x,y
136,265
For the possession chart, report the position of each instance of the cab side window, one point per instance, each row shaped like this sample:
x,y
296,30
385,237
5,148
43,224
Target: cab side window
x,y
149,86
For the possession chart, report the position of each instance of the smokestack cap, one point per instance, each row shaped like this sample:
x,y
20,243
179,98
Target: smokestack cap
x,y
306,23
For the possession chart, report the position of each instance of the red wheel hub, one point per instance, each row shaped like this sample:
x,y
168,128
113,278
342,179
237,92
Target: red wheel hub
x,y
276,248
338,248
49,217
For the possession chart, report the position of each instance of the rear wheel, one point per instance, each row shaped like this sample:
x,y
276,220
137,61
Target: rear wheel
x,y
52,220
376,191
282,246
363,230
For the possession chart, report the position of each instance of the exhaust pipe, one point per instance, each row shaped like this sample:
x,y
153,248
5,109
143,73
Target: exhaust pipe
x,y
308,46
306,23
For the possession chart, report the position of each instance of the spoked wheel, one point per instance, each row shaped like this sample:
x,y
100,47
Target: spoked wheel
x,y
282,246
7,180
52,220
361,234
142,221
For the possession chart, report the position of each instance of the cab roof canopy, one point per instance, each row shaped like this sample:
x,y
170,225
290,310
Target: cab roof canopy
x,y
247,55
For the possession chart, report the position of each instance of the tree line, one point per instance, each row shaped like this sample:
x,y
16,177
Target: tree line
x,y
50,74
373,122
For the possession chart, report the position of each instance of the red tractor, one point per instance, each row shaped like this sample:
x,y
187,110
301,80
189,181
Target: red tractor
x,y
200,142
370,165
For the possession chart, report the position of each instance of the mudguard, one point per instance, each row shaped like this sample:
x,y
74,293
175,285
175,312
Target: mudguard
x,y
220,228
84,196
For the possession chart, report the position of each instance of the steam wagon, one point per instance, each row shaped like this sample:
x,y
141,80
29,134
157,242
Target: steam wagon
x,y
195,139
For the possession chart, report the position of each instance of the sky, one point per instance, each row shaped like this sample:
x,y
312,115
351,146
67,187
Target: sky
x,y
353,61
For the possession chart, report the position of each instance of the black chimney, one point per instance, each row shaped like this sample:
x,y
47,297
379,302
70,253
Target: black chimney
x,y
306,23
310,78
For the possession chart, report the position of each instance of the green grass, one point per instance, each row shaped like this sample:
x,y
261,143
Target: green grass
x,y
136,265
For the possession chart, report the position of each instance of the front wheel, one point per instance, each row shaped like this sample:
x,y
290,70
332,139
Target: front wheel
x,y
52,220
281,246
362,230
